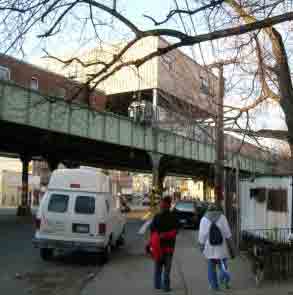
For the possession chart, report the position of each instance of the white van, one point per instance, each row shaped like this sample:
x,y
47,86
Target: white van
x,y
78,212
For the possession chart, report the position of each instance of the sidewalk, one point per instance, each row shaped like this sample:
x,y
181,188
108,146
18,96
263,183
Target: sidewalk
x,y
130,272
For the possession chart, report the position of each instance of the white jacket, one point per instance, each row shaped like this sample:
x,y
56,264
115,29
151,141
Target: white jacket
x,y
214,252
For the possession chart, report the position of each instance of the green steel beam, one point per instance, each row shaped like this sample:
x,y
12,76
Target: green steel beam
x,y
30,108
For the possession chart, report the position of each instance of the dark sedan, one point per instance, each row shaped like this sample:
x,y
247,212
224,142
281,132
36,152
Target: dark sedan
x,y
187,213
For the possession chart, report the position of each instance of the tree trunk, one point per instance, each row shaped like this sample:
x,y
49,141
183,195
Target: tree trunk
x,y
285,85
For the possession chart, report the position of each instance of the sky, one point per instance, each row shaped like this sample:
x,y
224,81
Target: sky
x,y
70,42
134,10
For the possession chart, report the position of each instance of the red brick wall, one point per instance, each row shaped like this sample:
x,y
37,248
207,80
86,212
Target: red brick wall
x,y
50,83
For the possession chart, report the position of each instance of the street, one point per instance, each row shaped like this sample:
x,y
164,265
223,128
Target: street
x,y
24,272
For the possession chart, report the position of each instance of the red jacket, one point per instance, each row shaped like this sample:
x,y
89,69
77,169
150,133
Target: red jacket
x,y
155,246
165,223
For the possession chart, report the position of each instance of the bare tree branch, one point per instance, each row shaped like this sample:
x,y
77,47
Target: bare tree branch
x,y
67,62
265,133
185,41
114,13
173,12
50,32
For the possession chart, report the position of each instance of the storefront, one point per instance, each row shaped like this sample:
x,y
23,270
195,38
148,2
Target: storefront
x,y
11,188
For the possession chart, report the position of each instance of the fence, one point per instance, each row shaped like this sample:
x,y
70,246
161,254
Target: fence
x,y
272,249
273,235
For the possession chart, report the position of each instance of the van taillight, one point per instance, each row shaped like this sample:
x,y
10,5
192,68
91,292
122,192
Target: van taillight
x,y
102,228
37,222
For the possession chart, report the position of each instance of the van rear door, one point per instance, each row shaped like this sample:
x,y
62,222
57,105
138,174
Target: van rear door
x,y
73,216
55,214
86,211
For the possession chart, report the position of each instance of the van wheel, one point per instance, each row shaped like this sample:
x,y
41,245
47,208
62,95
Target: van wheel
x,y
46,254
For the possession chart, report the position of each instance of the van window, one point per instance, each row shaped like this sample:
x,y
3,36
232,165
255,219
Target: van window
x,y
85,205
58,203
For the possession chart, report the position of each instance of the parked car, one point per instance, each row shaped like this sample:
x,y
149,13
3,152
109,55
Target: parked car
x,y
187,213
78,212
124,207
128,197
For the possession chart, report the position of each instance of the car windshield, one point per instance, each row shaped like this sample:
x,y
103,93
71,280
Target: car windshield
x,y
185,206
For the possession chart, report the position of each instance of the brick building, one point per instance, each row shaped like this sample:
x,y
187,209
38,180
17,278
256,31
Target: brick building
x,y
49,83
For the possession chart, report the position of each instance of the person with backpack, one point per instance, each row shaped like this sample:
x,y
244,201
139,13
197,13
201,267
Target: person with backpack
x,y
215,241
162,244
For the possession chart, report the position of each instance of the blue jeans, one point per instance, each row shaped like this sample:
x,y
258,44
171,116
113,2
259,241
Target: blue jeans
x,y
212,272
162,272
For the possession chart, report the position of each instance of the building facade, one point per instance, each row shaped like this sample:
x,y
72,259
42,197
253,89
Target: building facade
x,y
11,189
177,79
49,83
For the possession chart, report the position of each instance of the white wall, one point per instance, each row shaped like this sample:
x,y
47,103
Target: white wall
x,y
10,164
10,187
254,215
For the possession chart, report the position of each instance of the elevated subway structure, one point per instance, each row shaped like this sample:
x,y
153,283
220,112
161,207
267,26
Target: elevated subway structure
x,y
34,127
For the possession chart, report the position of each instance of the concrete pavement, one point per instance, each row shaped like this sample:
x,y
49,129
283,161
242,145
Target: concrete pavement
x,y
131,273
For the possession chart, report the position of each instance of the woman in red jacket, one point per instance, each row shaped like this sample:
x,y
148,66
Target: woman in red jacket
x,y
162,244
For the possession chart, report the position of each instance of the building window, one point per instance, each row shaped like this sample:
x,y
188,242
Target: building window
x,y
204,86
34,83
278,200
4,73
259,194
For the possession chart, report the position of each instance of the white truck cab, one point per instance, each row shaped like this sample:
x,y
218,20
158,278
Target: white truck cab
x,y
78,212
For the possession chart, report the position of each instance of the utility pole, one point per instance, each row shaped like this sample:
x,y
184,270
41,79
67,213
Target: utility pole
x,y
219,163
238,207
154,156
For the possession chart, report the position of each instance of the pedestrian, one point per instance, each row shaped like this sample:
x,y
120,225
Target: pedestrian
x,y
215,240
162,244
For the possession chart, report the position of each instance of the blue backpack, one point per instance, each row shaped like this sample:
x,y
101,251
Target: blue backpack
x,y
215,236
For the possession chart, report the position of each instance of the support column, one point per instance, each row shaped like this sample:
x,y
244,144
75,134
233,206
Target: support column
x,y
53,163
219,163
231,202
155,104
24,207
157,179
238,208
